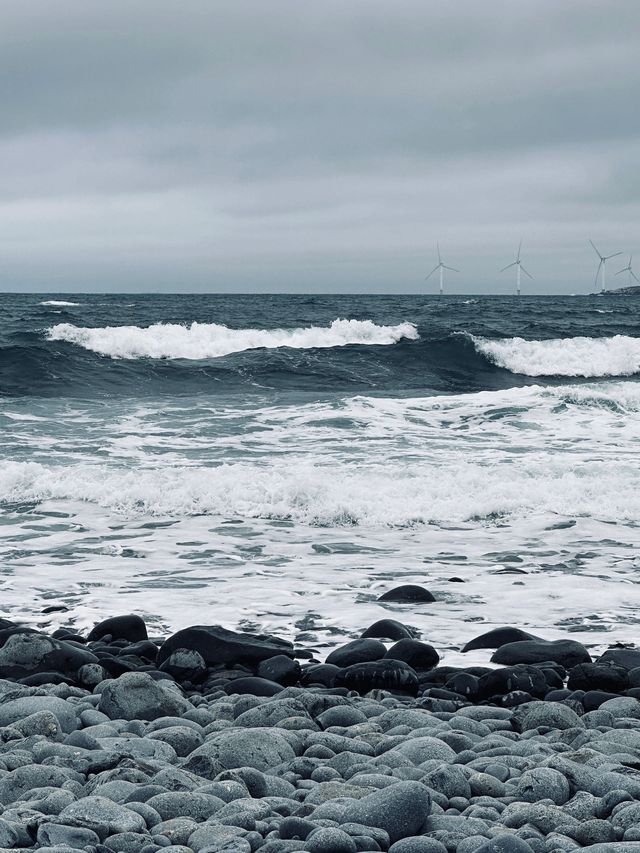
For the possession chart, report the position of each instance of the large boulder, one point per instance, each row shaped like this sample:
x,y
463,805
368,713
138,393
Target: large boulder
x,y
498,637
552,715
399,809
568,653
18,709
24,652
103,816
259,748
408,593
414,653
218,645
383,674
357,651
136,696
129,627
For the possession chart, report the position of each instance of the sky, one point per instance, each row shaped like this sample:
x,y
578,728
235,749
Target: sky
x,y
256,146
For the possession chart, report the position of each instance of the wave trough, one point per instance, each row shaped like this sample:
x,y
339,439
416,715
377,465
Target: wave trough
x,y
212,340
579,356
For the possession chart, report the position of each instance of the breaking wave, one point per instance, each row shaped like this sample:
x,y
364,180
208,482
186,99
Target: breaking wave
x,y
211,340
60,303
579,357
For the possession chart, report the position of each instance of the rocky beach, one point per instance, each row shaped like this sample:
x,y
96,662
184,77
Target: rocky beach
x,y
211,740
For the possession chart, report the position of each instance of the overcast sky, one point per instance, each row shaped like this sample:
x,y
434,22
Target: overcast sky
x,y
270,145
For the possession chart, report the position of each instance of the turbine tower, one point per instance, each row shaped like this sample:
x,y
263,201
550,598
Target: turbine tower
x,y
603,266
440,266
628,269
518,265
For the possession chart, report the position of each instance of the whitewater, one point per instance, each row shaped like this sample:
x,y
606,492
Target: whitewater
x,y
257,462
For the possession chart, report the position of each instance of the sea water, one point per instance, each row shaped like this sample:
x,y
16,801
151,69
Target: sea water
x,y
275,463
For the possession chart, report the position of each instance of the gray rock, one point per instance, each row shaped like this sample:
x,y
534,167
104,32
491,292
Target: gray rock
x,y
24,652
55,835
136,696
400,810
419,844
183,739
330,840
127,842
553,715
102,816
8,835
215,838
18,709
542,783
177,830
185,804
419,749
504,844
259,748
622,706
23,780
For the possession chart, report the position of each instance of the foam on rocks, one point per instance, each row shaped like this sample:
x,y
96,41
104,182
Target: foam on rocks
x,y
212,740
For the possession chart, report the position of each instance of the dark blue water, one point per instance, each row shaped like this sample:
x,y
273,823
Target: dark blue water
x,y
439,361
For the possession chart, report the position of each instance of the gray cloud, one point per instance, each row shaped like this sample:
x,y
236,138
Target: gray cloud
x,y
286,145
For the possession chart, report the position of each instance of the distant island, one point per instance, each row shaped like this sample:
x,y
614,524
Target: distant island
x,y
631,291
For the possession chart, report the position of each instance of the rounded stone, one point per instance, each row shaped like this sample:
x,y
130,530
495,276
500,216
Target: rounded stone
x,y
542,783
330,840
400,809
136,696
408,594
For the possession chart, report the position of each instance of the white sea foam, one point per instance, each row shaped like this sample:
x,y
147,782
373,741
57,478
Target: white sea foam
x,y
212,340
60,303
586,357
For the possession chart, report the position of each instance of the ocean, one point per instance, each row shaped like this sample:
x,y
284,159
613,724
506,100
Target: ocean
x,y
275,463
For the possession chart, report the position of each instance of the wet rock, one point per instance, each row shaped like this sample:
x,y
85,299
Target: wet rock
x,y
408,594
500,682
568,653
598,676
386,674
626,658
498,637
217,645
357,651
281,669
253,686
185,665
417,655
136,696
129,627
388,628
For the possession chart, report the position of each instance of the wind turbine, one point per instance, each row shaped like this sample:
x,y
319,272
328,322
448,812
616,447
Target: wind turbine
x,y
603,266
630,271
518,265
440,266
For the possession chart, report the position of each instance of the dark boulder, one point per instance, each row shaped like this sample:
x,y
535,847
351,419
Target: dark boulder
x,y
498,637
129,627
523,678
389,628
408,594
253,686
357,651
418,655
218,645
281,669
598,676
185,665
592,699
320,673
465,684
568,653
385,674
626,658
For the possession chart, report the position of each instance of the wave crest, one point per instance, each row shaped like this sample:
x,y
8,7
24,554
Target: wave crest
x,y
584,357
212,340
60,303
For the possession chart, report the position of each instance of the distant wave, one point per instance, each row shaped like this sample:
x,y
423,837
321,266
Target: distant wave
x,y
211,340
585,357
59,303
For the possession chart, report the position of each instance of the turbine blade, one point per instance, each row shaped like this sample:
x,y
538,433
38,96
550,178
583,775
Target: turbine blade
x,y
626,269
432,272
615,255
438,248
519,249
509,266
595,281
595,250
525,272
453,269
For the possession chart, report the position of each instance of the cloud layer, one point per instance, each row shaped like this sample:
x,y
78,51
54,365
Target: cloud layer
x,y
146,144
